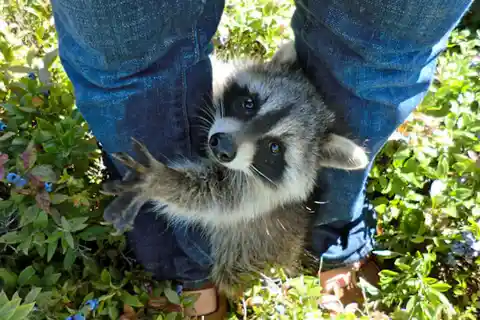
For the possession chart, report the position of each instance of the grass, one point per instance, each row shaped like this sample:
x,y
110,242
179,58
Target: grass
x,y
57,258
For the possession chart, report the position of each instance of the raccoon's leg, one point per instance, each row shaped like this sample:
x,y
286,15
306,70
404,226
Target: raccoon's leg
x,y
186,191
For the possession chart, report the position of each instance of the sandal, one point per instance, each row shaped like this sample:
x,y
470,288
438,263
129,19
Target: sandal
x,y
208,306
340,285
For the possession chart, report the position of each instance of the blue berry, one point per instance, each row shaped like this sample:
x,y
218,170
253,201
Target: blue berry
x,y
93,304
21,183
468,237
79,316
3,126
48,188
462,180
32,76
459,248
475,246
179,289
12,177
69,318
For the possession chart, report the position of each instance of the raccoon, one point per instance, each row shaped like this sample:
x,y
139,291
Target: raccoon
x,y
268,134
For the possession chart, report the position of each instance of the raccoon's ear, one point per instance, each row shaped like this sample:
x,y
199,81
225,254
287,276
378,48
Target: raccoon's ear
x,y
342,153
285,55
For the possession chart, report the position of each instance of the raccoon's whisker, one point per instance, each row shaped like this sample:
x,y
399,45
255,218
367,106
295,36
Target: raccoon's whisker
x,y
222,110
207,115
262,174
201,128
205,120
208,108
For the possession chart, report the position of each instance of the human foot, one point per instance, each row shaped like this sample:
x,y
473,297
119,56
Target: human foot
x,y
208,304
340,286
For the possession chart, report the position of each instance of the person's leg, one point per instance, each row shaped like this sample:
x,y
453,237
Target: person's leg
x,y
140,68
373,61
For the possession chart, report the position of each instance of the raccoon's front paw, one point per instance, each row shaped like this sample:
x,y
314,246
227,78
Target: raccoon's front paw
x,y
132,191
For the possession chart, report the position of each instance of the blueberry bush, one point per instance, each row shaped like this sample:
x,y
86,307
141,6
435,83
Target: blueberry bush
x,y
58,260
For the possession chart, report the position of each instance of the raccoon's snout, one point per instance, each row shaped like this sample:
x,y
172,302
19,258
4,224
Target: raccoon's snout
x,y
223,146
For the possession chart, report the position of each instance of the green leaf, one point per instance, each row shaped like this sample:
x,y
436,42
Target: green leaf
x,y
44,172
130,300
69,238
388,273
57,198
69,259
25,245
3,298
446,303
441,286
77,224
32,295
28,109
417,239
49,58
9,278
171,316
65,224
52,247
171,295
6,136
8,309
25,275
462,193
23,311
105,277
113,312
46,126
20,69
12,237
41,221
442,168
411,222
94,232
29,215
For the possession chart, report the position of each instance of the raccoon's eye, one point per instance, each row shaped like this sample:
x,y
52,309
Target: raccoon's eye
x,y
274,148
249,104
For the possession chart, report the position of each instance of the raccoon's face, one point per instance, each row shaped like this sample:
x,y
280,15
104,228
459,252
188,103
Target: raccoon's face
x,y
270,124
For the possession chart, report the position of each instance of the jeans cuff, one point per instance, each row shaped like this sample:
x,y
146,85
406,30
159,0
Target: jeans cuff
x,y
196,284
363,253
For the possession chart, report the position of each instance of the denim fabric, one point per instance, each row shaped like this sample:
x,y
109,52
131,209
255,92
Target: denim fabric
x,y
373,60
140,68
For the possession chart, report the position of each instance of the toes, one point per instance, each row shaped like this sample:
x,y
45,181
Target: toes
x,y
144,156
121,207
117,187
128,161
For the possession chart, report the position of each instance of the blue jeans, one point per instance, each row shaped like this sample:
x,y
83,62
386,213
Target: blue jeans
x,y
140,68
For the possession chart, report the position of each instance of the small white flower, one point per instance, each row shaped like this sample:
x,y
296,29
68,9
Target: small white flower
x,y
437,188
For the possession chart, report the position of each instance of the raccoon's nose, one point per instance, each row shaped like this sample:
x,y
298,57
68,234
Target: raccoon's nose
x,y
223,146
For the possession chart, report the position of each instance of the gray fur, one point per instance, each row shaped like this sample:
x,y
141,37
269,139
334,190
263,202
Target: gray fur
x,y
252,223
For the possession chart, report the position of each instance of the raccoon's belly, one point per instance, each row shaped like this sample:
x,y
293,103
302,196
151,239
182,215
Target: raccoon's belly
x,y
277,238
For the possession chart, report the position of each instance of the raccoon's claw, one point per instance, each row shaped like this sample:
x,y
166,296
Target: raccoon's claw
x,y
113,188
128,161
144,156
123,210
145,159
